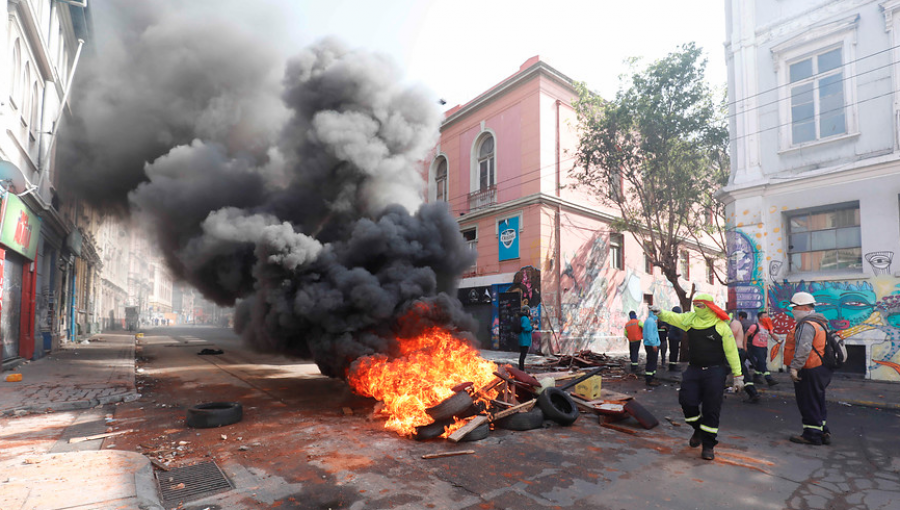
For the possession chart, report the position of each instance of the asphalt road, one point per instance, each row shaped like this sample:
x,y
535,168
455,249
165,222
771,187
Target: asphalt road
x,y
307,442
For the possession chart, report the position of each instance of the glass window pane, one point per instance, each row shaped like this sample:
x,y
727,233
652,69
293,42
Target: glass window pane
x,y
483,175
831,85
799,242
824,240
442,169
803,132
830,60
835,125
850,258
827,260
801,70
802,95
796,262
821,221
848,237
487,147
491,173
798,223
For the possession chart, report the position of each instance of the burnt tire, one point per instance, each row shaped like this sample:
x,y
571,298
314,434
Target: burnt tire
x,y
214,414
432,430
530,420
558,406
478,433
456,405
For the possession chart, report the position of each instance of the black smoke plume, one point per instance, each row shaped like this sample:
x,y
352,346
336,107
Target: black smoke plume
x,y
299,201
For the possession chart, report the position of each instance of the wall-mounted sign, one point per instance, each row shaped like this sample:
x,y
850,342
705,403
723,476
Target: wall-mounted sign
x,y
508,232
21,228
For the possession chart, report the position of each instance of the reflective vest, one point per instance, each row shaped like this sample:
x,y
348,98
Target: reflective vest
x,y
790,346
633,331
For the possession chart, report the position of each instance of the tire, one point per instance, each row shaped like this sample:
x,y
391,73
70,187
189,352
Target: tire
x,y
214,414
478,433
558,406
453,406
531,420
432,430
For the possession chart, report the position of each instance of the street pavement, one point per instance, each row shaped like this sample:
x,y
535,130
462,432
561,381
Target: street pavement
x,y
588,467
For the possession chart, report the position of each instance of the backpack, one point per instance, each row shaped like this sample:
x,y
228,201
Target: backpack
x,y
835,351
516,324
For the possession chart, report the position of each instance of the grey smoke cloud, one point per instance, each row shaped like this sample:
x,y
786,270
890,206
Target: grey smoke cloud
x,y
298,198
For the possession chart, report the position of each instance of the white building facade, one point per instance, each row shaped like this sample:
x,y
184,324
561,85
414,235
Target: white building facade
x,y
813,203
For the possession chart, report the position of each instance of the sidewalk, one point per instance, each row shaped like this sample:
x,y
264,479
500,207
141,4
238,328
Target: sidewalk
x,y
78,376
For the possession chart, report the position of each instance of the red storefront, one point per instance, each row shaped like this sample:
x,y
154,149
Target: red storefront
x,y
19,236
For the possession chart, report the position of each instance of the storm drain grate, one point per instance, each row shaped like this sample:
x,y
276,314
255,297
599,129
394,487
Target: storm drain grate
x,y
192,482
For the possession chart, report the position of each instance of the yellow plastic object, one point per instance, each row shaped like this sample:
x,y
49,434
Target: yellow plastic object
x,y
589,389
139,335
14,378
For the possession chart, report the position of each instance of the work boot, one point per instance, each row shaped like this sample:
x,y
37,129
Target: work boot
x,y
754,399
653,382
826,438
673,367
771,381
708,453
695,439
757,379
807,440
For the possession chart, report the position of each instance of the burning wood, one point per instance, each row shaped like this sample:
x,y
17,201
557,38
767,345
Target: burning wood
x,y
420,377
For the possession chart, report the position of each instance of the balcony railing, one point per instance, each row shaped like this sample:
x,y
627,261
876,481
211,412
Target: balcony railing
x,y
483,198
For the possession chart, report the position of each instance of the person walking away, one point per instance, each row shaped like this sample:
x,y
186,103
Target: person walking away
x,y
651,348
758,336
524,335
634,333
662,330
712,352
674,337
803,351
737,329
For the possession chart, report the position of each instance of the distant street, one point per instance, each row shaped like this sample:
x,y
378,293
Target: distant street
x,y
307,442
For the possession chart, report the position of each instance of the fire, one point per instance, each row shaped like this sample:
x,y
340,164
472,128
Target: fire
x,y
421,377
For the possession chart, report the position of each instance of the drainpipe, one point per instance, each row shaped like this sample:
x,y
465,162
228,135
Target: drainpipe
x,y
558,254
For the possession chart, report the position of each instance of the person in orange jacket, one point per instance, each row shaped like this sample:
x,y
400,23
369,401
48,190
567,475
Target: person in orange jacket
x,y
634,332
809,374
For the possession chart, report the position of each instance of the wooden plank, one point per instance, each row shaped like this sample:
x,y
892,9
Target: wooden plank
x,y
99,436
614,395
447,454
468,427
521,408
158,464
619,428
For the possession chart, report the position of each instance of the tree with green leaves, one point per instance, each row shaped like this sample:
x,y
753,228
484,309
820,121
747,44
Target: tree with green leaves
x,y
658,153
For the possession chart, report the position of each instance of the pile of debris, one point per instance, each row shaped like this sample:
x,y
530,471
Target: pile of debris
x,y
616,366
526,402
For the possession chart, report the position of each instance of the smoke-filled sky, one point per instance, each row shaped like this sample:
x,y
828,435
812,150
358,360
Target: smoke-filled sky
x,y
274,146
290,187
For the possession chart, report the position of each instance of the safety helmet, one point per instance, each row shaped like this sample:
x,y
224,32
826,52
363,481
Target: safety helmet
x,y
803,298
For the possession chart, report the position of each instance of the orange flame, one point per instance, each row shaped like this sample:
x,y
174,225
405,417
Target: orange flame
x,y
421,377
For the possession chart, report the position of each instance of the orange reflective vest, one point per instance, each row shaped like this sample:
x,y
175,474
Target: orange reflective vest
x,y
813,360
633,331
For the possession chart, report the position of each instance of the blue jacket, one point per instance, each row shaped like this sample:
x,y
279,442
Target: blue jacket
x,y
525,335
651,331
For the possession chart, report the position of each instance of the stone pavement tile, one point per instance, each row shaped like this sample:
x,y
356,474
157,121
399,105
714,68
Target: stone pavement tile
x,y
100,480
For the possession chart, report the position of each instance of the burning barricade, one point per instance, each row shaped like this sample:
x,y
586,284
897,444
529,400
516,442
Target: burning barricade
x,y
440,386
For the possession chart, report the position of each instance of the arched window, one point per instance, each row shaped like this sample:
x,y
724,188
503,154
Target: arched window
x,y
14,84
35,108
440,180
26,105
486,162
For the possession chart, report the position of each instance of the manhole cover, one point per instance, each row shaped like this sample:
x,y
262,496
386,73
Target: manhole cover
x,y
191,482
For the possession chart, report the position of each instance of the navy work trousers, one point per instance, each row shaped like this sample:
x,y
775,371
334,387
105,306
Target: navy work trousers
x,y
701,394
635,351
810,393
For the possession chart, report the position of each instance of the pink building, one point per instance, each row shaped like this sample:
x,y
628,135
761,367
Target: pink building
x,y
503,165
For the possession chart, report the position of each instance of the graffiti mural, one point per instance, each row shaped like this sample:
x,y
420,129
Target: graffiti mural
x,y
745,285
596,298
527,283
865,313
